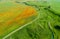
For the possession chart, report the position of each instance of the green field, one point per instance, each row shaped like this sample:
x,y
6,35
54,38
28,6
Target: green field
x,y
44,25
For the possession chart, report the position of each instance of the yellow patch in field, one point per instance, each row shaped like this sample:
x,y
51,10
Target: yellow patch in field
x,y
27,12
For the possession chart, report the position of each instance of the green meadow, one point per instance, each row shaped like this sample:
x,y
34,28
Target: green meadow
x,y
45,25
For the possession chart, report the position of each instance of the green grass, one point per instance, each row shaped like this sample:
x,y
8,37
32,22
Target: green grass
x,y
44,27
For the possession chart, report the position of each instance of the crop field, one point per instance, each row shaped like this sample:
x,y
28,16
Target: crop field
x,y
29,19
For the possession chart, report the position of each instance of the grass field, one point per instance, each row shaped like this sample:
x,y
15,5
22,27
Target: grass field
x,y
30,20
